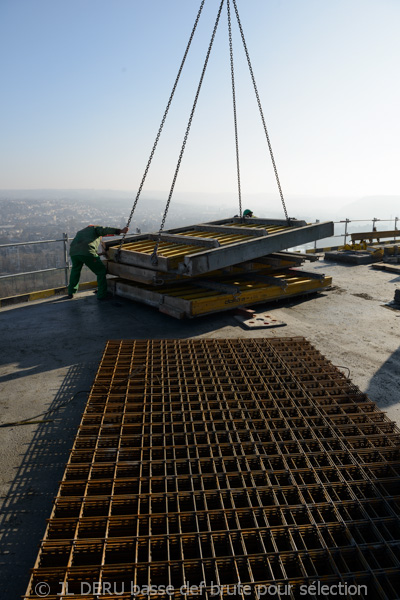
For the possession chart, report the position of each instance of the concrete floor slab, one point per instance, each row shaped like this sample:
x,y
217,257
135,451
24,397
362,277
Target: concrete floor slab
x,y
50,351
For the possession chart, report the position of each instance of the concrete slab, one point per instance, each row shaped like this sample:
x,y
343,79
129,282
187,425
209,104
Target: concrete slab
x,y
50,350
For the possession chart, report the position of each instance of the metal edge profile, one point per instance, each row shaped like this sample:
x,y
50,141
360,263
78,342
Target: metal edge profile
x,y
212,260
139,259
260,221
223,222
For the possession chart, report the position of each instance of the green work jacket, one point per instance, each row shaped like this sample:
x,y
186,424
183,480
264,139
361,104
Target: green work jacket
x,y
87,240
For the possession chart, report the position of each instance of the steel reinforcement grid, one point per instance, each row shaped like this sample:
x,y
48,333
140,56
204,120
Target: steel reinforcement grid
x,y
238,468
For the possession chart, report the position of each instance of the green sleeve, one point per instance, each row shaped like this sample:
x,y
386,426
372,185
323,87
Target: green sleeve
x,y
106,231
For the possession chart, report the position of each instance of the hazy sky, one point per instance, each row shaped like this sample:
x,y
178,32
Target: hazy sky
x,y
85,84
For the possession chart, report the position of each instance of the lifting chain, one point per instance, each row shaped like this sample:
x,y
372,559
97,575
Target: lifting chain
x,y
161,127
234,105
260,109
154,258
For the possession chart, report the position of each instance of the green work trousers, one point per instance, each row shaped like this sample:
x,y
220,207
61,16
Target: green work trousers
x,y
95,264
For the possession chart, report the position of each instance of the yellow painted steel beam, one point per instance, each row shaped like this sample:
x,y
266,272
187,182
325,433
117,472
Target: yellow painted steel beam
x,y
42,294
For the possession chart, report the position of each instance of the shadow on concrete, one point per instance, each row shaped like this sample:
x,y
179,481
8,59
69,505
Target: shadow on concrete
x,y
38,340
28,502
42,336
384,386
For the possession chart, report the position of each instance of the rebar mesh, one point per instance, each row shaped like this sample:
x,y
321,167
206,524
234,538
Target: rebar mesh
x,y
242,468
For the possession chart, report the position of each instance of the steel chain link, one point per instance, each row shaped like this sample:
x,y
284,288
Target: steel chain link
x,y
154,255
161,127
260,109
234,105
154,259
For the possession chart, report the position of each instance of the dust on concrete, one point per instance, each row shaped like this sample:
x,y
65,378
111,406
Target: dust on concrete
x,y
364,296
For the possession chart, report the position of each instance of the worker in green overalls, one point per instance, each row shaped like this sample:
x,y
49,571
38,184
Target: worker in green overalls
x,y
83,251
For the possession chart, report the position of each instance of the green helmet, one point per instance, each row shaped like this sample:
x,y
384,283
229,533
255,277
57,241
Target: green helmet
x,y
248,213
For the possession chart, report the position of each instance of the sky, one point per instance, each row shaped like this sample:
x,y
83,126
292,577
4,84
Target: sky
x,y
85,84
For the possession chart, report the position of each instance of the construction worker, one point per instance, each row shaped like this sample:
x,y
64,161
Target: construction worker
x,y
248,213
83,251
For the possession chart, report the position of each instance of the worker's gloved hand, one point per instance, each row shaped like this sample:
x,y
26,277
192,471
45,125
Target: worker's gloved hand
x,y
125,230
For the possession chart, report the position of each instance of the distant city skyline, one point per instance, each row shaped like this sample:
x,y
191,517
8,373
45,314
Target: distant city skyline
x,y
192,205
85,85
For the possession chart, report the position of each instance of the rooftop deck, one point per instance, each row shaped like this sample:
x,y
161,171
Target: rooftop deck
x,y
51,350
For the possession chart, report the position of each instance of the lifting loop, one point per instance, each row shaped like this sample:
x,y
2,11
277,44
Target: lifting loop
x,y
161,127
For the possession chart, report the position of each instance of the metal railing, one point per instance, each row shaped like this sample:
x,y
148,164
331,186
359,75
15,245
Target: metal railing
x,y
66,267
346,233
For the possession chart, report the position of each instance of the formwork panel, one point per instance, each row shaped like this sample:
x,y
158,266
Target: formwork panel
x,y
199,249
224,468
192,299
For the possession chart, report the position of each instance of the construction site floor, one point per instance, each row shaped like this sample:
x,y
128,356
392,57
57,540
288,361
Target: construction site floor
x,y
51,349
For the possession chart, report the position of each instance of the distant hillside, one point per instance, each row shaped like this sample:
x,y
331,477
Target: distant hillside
x,y
381,207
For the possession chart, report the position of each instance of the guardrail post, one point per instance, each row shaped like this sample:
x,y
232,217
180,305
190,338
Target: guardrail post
x,y
345,230
395,226
66,260
315,243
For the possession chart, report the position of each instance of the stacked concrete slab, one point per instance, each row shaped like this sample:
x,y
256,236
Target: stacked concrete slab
x,y
214,266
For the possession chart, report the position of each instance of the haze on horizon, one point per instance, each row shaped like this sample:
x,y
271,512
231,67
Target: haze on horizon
x,y
85,86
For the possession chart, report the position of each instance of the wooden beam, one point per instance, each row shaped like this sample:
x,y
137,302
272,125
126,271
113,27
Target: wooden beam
x,y
218,286
185,240
374,235
228,229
